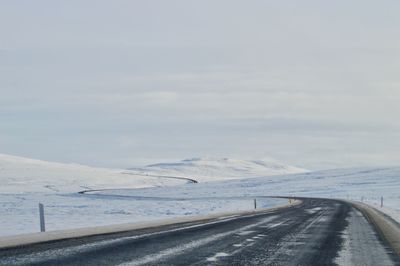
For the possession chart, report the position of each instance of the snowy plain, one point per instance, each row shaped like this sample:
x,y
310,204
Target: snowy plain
x,y
366,185
138,195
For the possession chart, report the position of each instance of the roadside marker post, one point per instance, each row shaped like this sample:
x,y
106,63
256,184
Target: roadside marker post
x,y
381,202
255,204
41,215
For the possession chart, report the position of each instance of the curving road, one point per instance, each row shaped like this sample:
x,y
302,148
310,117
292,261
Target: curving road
x,y
316,232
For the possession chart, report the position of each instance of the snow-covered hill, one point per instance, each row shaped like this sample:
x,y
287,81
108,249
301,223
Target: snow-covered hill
x,y
212,169
19,175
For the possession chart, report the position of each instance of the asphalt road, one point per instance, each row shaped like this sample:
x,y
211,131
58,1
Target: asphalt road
x,y
317,232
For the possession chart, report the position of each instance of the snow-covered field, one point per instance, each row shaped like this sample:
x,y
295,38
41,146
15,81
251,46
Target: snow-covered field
x,y
26,182
359,184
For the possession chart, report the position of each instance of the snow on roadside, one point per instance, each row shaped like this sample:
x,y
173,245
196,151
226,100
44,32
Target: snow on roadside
x,y
19,214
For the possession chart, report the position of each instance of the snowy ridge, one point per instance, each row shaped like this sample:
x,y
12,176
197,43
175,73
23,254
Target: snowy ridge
x,y
212,169
19,175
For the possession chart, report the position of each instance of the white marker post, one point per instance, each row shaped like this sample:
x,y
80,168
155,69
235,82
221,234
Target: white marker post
x,y
41,215
381,202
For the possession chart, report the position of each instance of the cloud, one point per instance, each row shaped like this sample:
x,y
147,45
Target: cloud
x,y
96,82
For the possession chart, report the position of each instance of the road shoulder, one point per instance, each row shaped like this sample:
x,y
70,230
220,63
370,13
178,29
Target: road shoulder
x,y
45,237
387,228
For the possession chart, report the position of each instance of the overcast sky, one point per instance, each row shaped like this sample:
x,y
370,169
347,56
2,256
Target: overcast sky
x,y
121,83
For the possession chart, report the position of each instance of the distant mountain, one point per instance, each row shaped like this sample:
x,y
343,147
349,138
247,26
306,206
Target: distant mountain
x,y
210,169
